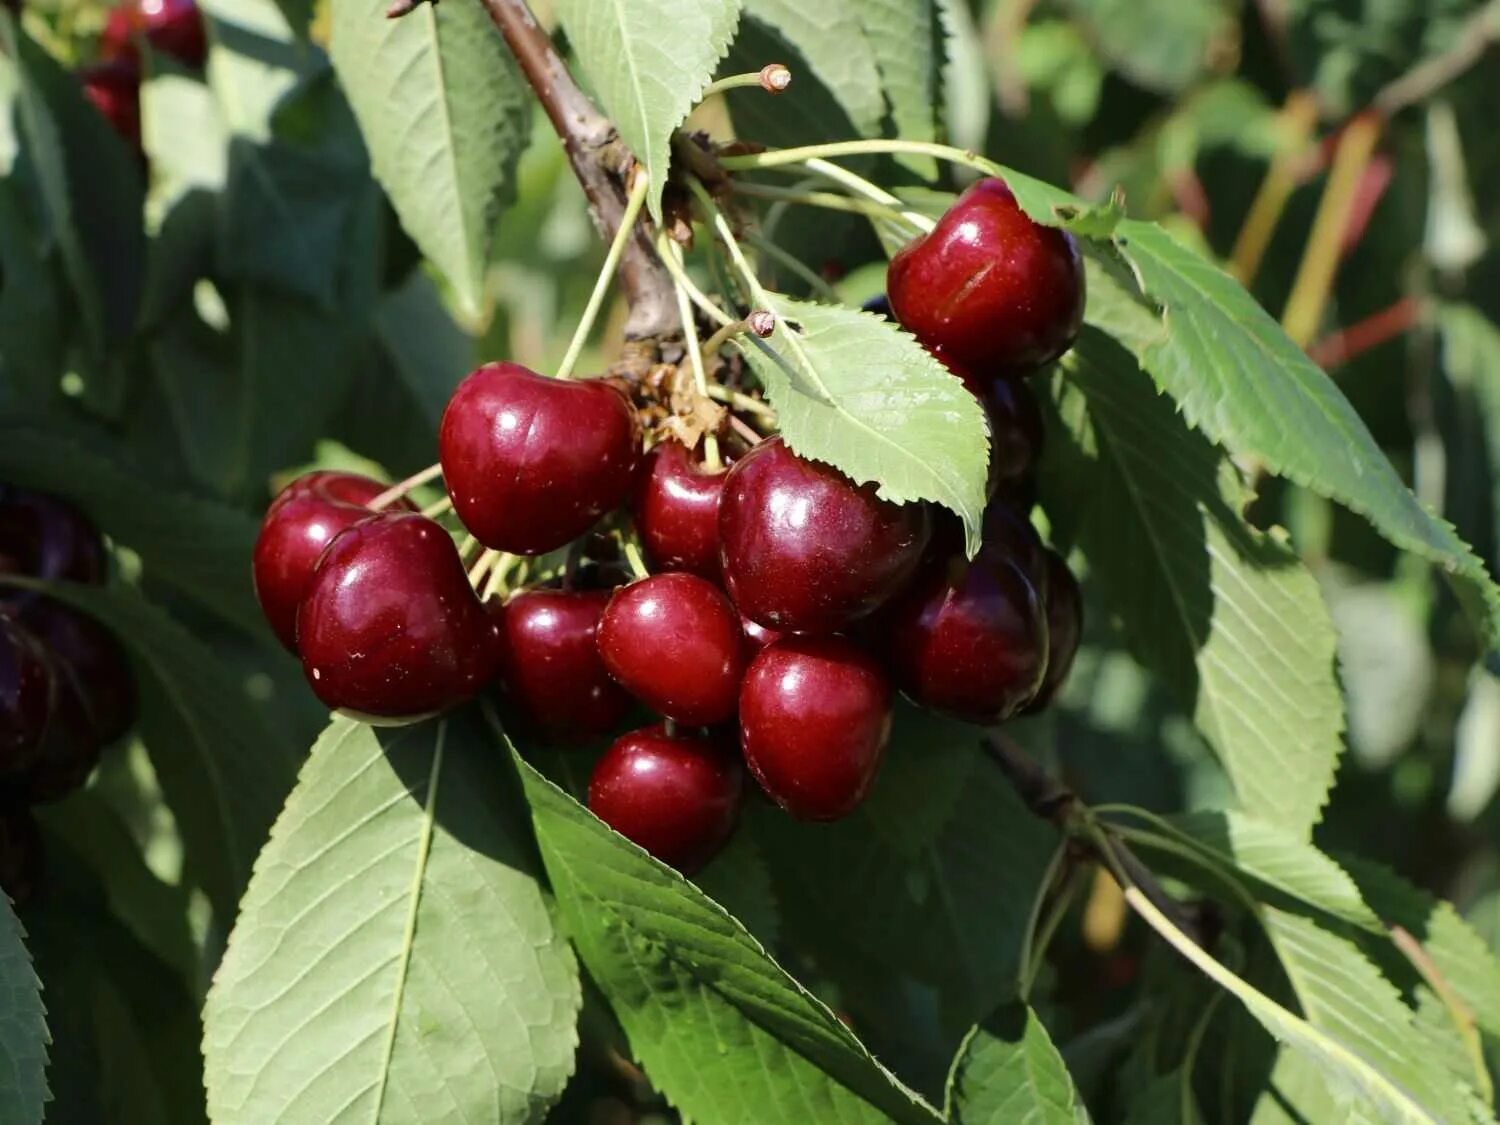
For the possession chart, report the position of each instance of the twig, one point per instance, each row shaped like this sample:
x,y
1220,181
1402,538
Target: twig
x,y
1473,39
599,161
1460,1012
1340,347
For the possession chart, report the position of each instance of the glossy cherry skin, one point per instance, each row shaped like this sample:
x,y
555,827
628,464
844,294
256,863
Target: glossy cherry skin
x,y
675,795
115,90
27,690
989,289
1064,608
677,511
550,667
88,652
174,27
815,716
47,538
674,642
967,639
531,462
298,526
807,550
389,624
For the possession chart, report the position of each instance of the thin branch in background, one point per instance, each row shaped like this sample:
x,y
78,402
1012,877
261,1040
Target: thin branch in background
x,y
1338,348
1297,118
599,160
1419,83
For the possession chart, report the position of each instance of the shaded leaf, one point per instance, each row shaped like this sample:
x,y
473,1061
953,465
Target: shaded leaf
x,y
906,40
1163,45
395,957
23,1027
427,349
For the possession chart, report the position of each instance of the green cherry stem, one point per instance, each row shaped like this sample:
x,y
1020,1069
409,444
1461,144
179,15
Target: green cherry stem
x,y
633,557
487,558
711,459
829,201
817,284
639,187
773,78
401,488
438,507
680,277
873,192
744,402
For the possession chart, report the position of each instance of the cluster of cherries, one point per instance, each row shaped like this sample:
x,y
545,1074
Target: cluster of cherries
x,y
785,602
65,686
113,83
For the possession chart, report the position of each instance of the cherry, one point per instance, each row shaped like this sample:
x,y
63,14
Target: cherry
x,y
115,89
299,524
674,642
532,463
27,690
1064,609
675,795
967,639
1008,531
1015,432
47,538
389,625
805,549
815,715
549,663
677,511
173,27
69,751
989,289
89,653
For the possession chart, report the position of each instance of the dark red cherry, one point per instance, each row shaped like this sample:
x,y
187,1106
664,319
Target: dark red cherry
x,y
1064,607
173,27
531,462
47,538
21,856
27,689
1008,530
677,511
70,750
115,89
675,795
989,289
299,524
89,652
389,624
549,663
805,549
674,642
1015,432
967,639
815,715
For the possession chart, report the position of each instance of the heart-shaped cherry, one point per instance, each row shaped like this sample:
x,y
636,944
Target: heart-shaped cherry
x,y
989,289
531,462
674,642
805,549
815,715
86,650
967,639
299,524
1064,605
675,795
173,27
389,624
27,689
550,667
677,511
47,538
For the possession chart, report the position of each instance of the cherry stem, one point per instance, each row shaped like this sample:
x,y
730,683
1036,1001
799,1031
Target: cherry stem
x,y
773,78
438,507
819,285
680,278
873,192
496,583
633,557
487,558
400,489
739,426
758,319
827,200
711,460
617,245
1028,957
720,224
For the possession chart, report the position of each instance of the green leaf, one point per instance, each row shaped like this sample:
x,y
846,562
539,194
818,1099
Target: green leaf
x,y
197,547
1238,378
855,391
835,47
222,766
23,1027
647,76
1008,1073
723,1031
427,349
1244,848
906,40
1358,1063
445,116
395,957
1163,45
1226,616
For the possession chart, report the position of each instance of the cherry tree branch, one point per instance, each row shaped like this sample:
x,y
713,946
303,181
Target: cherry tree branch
x,y
599,160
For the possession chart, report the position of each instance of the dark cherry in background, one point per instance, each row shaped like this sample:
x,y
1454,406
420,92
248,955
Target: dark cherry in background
x,y
677,511
389,624
674,642
967,639
173,27
550,668
815,715
988,289
47,538
114,88
805,549
1064,602
88,651
675,795
532,463
300,523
